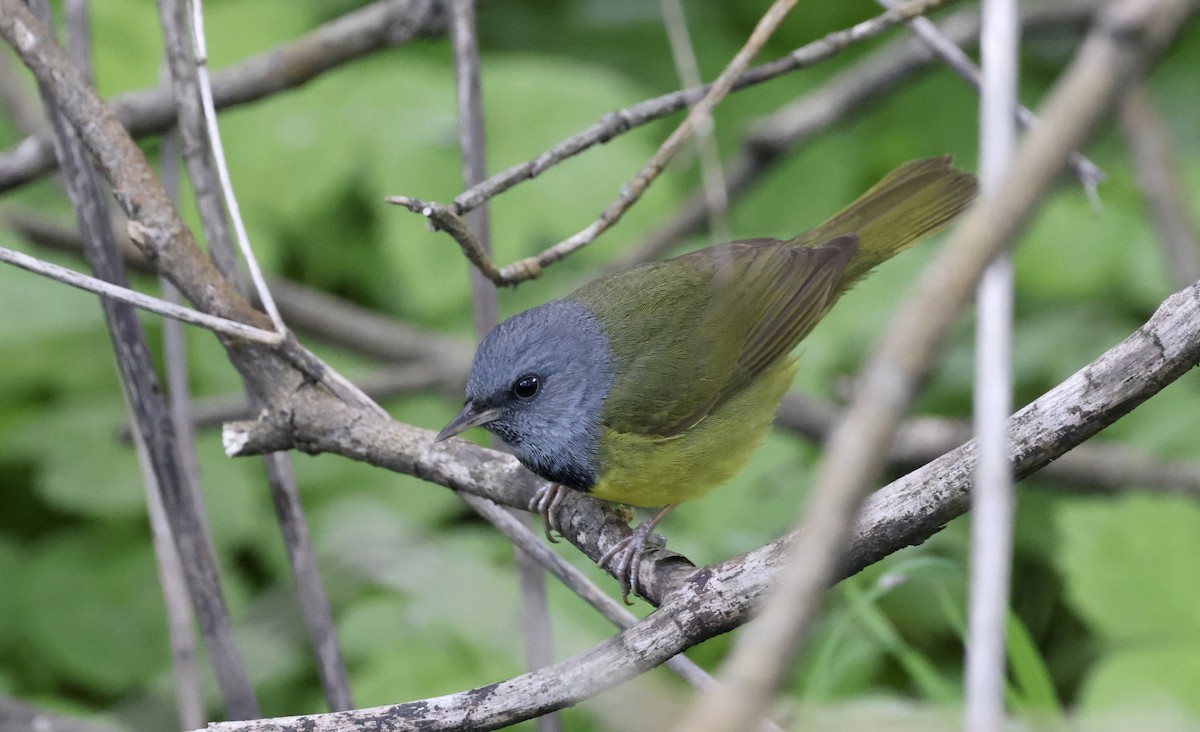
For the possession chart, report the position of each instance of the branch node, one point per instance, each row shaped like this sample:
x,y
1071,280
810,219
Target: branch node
x,y
149,239
528,268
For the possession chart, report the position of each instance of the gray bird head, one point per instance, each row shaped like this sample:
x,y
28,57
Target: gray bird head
x,y
539,381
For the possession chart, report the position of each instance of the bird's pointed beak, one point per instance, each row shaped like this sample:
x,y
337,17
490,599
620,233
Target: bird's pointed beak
x,y
470,416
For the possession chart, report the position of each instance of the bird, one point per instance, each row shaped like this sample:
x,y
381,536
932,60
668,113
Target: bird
x,y
653,386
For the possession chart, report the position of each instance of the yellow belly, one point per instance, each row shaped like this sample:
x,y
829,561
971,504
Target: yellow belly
x,y
655,471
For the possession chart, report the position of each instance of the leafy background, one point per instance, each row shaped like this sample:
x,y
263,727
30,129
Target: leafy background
x,y
1105,620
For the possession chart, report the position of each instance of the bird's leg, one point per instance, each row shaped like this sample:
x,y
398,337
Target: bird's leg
x,y
546,502
631,549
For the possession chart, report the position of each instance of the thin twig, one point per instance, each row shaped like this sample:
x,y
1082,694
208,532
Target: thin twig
x,y
218,155
1154,163
992,500
180,633
1114,52
688,70
137,299
447,218
314,602
191,128
189,700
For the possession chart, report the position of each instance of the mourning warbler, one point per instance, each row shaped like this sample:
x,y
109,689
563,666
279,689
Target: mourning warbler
x,y
654,385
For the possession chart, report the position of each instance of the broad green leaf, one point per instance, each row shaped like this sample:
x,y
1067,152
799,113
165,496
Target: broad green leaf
x,y
82,468
1161,681
91,611
1129,570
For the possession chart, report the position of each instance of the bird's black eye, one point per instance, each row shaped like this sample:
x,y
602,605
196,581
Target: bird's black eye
x,y
526,386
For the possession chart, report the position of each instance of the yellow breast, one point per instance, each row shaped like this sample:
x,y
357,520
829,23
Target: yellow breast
x,y
654,471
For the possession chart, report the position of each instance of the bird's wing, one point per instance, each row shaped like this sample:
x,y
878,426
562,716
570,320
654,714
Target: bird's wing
x,y
688,334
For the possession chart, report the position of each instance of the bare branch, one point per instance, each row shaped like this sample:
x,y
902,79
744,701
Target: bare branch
x,y
1088,173
218,154
314,603
185,85
712,177
137,299
184,658
189,699
993,500
1093,467
333,319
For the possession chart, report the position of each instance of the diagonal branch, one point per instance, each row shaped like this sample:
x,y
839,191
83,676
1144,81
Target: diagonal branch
x,y
125,295
1086,172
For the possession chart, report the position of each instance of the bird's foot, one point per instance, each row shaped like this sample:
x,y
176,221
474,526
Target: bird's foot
x,y
546,502
629,551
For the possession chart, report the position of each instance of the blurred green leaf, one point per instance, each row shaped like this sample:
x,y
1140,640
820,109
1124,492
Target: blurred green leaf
x,y
92,611
1128,567
1162,681
82,467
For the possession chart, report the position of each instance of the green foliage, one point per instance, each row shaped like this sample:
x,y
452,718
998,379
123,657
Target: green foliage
x,y
1105,617
1128,571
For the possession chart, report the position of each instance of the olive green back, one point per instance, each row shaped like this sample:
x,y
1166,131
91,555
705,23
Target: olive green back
x,y
689,333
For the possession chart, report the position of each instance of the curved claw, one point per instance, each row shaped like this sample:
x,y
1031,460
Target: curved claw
x,y
546,502
631,549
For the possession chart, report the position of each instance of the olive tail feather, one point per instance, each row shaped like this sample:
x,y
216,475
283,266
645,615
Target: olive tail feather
x,y
909,204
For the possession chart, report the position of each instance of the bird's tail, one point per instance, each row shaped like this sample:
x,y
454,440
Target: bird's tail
x,y
910,203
